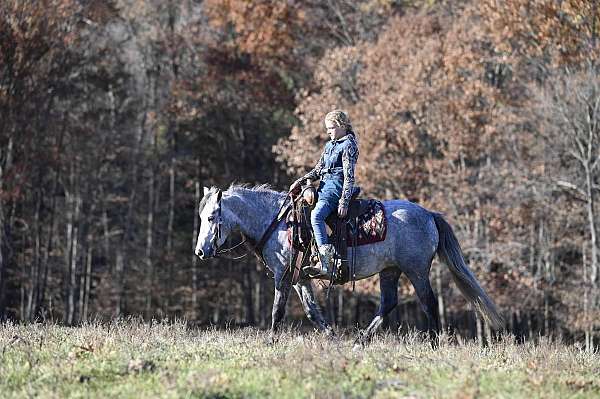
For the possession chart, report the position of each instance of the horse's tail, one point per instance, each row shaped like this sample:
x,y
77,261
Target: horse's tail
x,y
450,253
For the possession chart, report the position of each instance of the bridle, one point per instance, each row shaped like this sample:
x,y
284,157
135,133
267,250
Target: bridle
x,y
218,252
256,247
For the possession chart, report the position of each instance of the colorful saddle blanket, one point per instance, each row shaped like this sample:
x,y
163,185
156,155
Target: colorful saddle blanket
x,y
371,225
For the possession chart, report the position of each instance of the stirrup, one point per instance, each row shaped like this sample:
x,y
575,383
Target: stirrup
x,y
326,264
315,270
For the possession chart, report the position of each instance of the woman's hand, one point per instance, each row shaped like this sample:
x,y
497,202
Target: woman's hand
x,y
342,212
295,186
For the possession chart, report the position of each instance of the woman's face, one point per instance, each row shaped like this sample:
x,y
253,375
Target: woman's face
x,y
334,132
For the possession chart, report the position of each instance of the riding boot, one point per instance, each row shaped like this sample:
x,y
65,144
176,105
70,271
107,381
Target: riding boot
x,y
323,268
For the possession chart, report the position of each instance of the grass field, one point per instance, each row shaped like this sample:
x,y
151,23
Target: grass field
x,y
133,359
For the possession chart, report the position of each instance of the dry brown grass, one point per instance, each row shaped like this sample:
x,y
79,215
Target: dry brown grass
x,y
135,359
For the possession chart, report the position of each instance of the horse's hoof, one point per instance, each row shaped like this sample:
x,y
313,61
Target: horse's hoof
x,y
330,333
361,341
358,347
271,340
359,344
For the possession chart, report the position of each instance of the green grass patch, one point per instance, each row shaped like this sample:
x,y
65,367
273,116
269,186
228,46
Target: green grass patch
x,y
135,359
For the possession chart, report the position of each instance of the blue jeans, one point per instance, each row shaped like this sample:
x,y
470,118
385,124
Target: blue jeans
x,y
317,220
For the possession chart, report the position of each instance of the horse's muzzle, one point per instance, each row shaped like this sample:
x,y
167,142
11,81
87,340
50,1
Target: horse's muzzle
x,y
204,255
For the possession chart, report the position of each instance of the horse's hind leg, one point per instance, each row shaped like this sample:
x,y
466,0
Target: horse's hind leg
x,y
429,304
311,308
388,284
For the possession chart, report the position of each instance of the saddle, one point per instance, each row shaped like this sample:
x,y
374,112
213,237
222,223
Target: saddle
x,y
364,224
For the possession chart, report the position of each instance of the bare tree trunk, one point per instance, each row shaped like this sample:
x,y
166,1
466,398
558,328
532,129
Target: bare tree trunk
x,y
216,313
22,303
120,281
532,246
82,285
73,244
593,278
441,306
128,223
479,329
340,307
52,233
69,250
170,257
546,314
593,321
249,303
3,228
258,310
330,309
87,245
592,224
88,280
75,256
585,295
105,228
149,244
172,126
35,266
194,257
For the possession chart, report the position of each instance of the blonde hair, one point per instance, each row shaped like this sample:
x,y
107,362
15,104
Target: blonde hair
x,y
339,118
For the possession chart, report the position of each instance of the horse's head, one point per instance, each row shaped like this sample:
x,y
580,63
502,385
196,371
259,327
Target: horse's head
x,y
213,228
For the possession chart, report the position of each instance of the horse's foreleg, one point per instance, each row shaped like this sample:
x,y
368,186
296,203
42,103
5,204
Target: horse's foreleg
x,y
279,302
311,308
388,284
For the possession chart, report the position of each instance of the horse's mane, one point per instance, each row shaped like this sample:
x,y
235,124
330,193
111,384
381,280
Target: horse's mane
x,y
236,188
246,186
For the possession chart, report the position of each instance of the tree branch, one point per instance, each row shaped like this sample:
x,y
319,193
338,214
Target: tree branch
x,y
572,188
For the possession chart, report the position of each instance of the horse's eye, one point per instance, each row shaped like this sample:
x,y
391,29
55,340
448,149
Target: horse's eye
x,y
211,218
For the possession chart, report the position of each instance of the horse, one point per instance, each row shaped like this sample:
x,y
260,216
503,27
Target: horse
x,y
414,236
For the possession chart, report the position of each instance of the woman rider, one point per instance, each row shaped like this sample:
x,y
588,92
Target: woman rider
x,y
335,168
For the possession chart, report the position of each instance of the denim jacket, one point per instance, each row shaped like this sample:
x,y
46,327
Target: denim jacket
x,y
335,168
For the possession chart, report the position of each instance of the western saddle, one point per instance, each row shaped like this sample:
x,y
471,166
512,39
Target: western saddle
x,y
304,248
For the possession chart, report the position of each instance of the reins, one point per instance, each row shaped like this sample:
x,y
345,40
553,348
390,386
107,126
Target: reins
x,y
227,250
258,248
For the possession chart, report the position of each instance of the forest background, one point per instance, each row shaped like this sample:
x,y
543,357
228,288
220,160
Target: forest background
x,y
115,114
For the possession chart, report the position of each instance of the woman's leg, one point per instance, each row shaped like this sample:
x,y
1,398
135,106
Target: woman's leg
x,y
317,220
326,250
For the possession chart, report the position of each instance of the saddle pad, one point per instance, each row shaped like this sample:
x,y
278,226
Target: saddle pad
x,y
372,225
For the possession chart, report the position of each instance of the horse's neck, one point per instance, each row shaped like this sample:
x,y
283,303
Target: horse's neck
x,y
253,210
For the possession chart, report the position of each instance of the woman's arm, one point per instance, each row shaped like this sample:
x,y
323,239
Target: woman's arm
x,y
314,173
349,159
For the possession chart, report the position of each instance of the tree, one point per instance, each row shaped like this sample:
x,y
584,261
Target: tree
x,y
440,102
568,116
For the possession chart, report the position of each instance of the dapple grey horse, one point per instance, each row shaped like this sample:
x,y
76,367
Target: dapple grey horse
x,y
414,236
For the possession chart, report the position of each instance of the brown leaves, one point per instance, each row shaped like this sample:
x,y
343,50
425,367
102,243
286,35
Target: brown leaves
x,y
267,30
565,30
436,101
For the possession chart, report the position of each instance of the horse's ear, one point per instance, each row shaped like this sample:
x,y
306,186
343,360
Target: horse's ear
x,y
219,195
206,190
